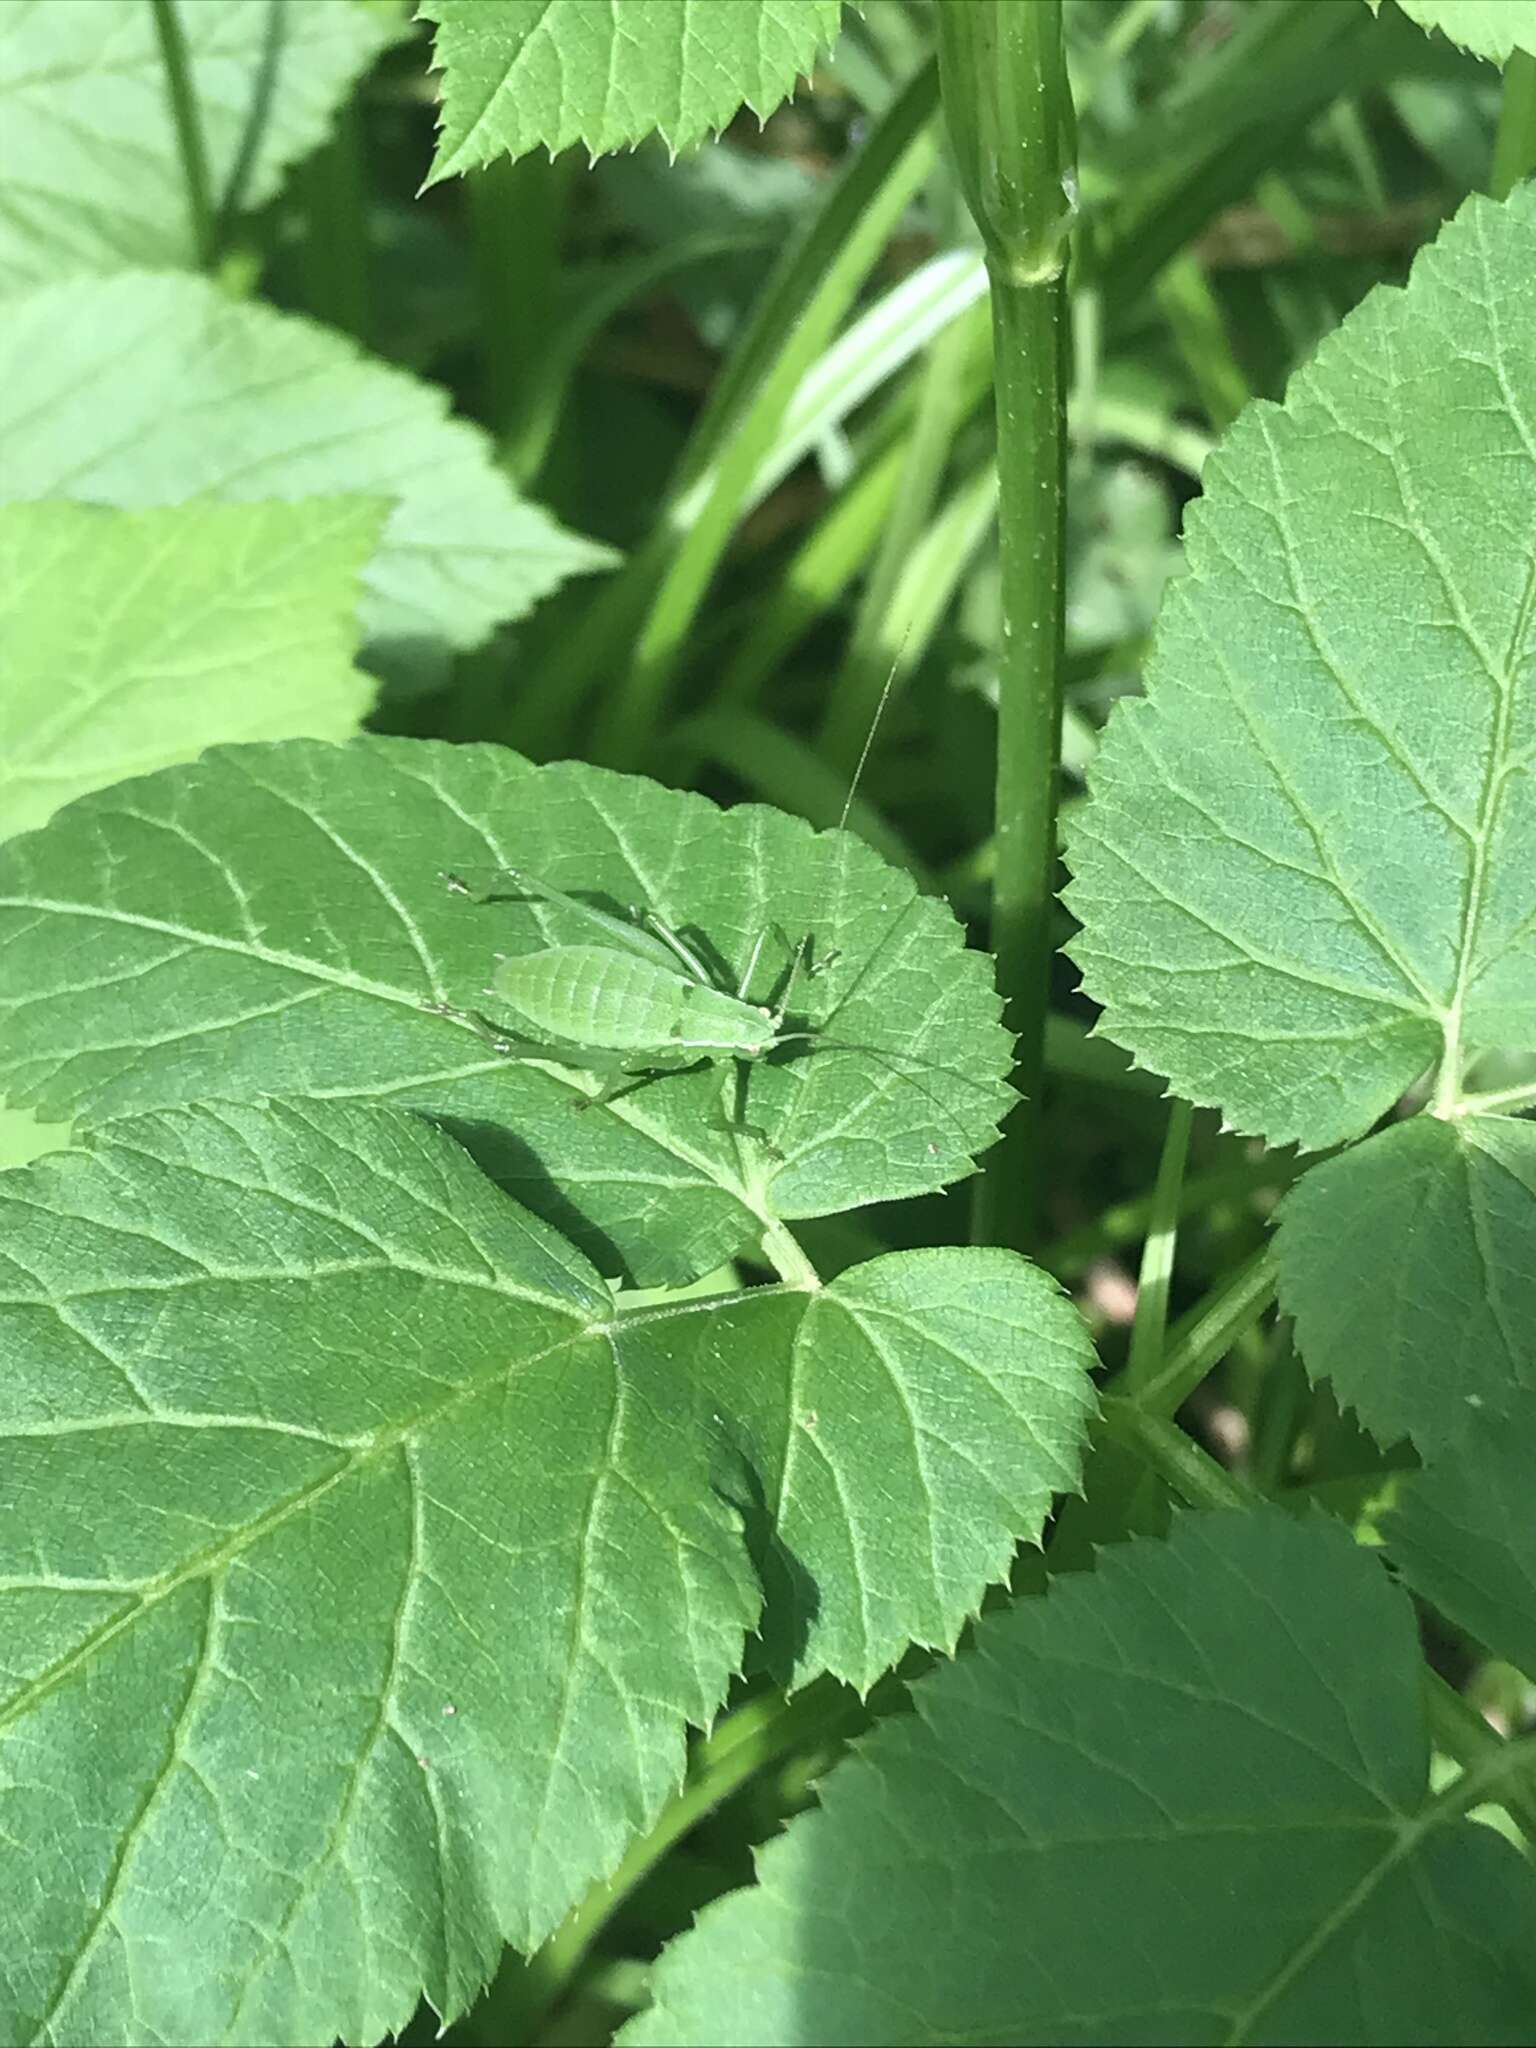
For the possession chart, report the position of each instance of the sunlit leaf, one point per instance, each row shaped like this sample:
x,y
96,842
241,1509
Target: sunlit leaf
x,y
134,639
275,919
147,389
530,74
1304,868
91,176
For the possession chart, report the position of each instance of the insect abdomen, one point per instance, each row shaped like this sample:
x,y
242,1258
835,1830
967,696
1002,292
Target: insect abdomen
x,y
598,997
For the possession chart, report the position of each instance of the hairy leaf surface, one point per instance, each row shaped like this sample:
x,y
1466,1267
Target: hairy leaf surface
x,y
361,1565
275,918
1409,1264
1156,1805
1304,871
90,173
134,639
146,389
530,74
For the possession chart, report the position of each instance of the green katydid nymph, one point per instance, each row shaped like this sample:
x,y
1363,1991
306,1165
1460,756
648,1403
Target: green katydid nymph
x,y
636,1006
636,1002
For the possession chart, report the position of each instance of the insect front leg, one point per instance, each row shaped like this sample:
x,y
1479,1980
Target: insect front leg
x,y
482,1027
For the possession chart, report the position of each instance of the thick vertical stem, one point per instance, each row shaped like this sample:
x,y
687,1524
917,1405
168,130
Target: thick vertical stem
x,y
189,129
1029,325
1009,110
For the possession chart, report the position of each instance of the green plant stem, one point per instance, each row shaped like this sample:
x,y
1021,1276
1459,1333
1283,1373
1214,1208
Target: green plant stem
x,y
1009,110
871,650
1126,1220
1488,1759
782,1249
1150,1328
1204,1337
516,213
1496,1099
258,117
1514,145
761,1732
820,570
1030,331
1280,1407
847,241
783,770
189,130
333,190
1193,1474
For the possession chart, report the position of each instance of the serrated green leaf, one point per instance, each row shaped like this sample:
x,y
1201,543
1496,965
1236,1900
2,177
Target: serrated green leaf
x,y
147,389
531,74
896,1433
134,639
274,919
1304,868
1463,1533
1155,1806
361,1565
1409,1265
356,1589
1488,28
90,172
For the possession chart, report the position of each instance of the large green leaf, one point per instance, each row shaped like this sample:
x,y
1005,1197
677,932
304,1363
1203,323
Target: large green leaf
x,y
890,1437
1409,1264
1157,1805
530,74
1489,28
357,1590
134,639
362,1566
147,389
90,171
274,918
1304,868
1463,1533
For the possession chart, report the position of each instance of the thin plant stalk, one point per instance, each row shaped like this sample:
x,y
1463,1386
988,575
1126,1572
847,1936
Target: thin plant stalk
x,y
1150,1328
1009,109
258,118
189,130
640,705
517,215
334,257
872,646
761,1733
1514,145
799,309
1199,1342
